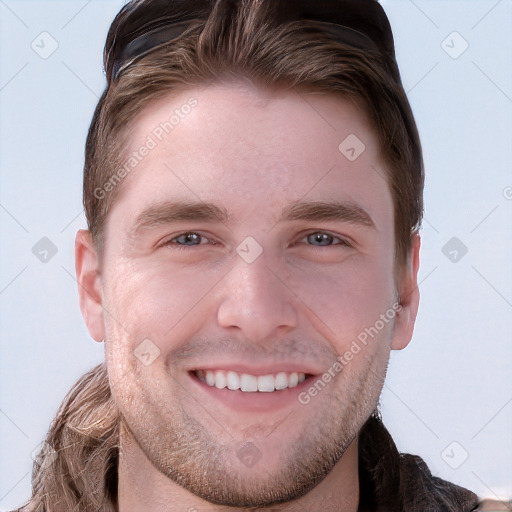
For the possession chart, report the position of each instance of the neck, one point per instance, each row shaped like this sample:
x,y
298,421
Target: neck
x,y
141,487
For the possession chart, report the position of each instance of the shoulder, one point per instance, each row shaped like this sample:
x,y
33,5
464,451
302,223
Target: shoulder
x,y
494,506
416,477
421,489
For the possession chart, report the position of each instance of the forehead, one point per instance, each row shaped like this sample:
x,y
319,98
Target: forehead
x,y
251,150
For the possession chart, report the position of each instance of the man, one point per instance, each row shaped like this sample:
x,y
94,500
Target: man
x,y
253,189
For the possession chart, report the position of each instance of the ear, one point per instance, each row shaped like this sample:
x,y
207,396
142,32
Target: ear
x,y
409,297
89,284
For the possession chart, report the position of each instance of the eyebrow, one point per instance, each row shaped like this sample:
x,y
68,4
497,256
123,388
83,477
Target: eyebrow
x,y
327,210
174,211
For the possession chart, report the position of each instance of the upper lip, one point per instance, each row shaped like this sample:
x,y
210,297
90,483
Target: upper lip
x,y
261,369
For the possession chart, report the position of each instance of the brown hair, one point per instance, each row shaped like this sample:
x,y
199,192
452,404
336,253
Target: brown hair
x,y
249,43
77,466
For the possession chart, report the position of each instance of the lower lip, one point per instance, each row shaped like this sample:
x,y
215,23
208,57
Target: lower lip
x,y
256,401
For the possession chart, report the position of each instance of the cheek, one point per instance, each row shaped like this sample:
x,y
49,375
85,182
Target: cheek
x,y
168,303
156,300
348,297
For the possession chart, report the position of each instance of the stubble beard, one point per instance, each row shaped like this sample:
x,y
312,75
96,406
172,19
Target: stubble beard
x,y
184,449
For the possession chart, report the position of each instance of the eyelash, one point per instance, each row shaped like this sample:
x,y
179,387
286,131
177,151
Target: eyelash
x,y
342,241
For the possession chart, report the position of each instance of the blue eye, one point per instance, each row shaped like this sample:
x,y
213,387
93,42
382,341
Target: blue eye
x,y
185,240
325,239
315,239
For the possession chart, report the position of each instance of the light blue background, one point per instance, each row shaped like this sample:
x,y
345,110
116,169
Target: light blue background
x,y
453,382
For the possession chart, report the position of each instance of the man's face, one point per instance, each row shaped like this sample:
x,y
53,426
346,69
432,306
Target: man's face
x,y
272,292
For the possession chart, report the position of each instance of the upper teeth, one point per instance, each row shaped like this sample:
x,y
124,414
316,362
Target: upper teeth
x,y
248,383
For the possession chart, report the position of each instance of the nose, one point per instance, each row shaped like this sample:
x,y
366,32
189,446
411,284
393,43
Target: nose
x,y
256,301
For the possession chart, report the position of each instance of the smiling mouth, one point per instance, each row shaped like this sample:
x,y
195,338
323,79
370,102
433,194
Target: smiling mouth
x,y
247,383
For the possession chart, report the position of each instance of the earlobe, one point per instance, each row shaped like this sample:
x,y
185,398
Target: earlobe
x,y
89,284
409,298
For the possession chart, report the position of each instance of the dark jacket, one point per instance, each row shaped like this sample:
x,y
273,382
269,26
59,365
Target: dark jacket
x,y
390,481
